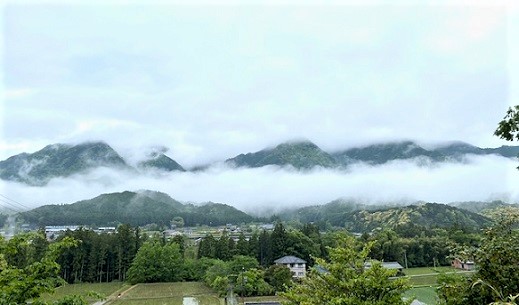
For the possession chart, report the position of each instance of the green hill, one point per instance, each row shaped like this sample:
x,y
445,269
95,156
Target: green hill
x,y
300,155
428,215
358,217
135,208
59,160
386,152
161,162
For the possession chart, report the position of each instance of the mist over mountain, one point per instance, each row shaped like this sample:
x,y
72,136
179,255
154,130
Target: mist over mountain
x,y
64,160
291,175
162,162
300,155
386,152
59,160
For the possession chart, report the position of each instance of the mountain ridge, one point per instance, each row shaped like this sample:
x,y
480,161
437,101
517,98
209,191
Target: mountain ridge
x,y
64,160
134,208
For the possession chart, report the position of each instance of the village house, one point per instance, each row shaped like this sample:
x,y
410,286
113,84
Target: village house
x,y
295,264
463,264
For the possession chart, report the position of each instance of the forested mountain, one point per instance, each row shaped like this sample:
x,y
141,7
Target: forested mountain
x,y
429,215
382,153
161,162
358,217
59,160
300,155
385,152
136,209
62,160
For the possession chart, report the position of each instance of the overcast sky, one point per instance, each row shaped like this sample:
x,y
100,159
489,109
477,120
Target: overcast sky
x,y
212,81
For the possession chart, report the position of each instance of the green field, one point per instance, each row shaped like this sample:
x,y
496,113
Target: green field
x,y
167,294
426,295
105,289
427,270
423,281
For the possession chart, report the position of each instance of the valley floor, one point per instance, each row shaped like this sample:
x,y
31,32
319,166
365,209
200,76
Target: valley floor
x,y
423,281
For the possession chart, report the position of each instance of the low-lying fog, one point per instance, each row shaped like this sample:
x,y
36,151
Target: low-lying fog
x,y
272,188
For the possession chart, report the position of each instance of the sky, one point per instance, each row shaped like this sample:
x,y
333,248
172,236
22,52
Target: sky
x,y
212,80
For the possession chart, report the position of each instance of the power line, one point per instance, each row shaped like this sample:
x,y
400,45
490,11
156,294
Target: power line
x,y
20,204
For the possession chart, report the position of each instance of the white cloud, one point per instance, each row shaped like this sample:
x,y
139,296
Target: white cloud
x,y
271,188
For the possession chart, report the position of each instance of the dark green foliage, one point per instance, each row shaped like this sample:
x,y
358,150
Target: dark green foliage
x,y
136,209
195,269
279,277
300,155
59,160
264,253
99,257
207,247
242,246
155,262
279,242
453,289
508,128
39,273
497,274
162,162
420,250
252,283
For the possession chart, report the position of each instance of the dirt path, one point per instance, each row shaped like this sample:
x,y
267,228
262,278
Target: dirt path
x,y
114,296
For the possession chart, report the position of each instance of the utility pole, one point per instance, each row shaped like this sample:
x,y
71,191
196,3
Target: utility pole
x,y
405,258
242,286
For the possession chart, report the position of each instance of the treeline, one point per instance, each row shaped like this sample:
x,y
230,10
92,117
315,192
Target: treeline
x,y
266,246
100,257
109,257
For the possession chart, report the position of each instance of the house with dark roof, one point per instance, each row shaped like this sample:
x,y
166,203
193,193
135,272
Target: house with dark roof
x,y
295,264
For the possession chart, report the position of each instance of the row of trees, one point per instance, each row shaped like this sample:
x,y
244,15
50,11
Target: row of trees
x,y
413,246
266,246
100,257
28,268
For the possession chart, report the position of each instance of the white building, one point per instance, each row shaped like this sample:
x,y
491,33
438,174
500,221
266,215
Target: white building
x,y
295,264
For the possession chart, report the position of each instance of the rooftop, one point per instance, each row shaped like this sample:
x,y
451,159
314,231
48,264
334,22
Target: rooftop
x,y
290,260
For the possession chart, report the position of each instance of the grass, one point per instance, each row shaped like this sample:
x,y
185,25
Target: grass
x,y
427,270
426,295
167,293
105,289
423,279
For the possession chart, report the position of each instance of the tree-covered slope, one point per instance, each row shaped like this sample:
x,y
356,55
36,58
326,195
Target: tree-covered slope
x,y
428,215
59,160
382,153
386,152
135,209
360,217
300,155
161,162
